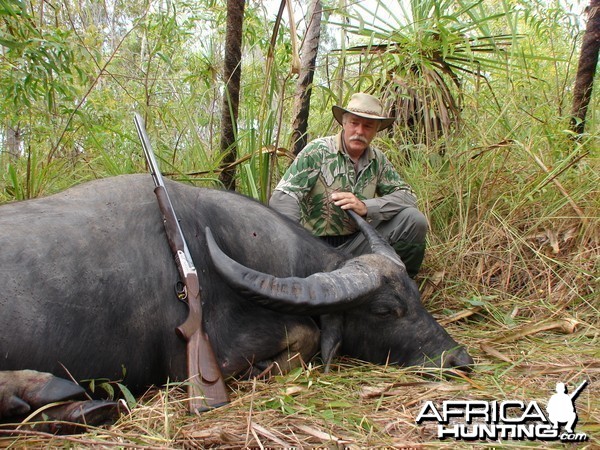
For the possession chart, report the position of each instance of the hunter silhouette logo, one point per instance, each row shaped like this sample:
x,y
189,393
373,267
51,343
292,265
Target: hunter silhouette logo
x,y
508,419
561,406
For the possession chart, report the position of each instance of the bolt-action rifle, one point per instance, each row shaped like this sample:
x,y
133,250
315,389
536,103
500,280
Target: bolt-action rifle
x,y
206,387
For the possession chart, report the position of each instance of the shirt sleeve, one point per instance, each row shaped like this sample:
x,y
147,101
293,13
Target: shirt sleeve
x,y
285,204
394,194
301,176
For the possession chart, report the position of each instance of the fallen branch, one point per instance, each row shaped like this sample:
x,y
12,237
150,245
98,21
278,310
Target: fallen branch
x,y
460,315
566,326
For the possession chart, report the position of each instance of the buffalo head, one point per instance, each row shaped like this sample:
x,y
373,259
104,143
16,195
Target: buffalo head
x,y
369,308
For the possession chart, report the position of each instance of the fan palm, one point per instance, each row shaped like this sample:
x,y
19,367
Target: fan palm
x,y
416,55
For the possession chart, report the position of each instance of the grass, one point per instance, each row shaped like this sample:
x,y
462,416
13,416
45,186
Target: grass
x,y
357,405
511,272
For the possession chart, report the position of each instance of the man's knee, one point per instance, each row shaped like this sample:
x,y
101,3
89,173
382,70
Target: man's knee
x,y
420,224
409,225
408,238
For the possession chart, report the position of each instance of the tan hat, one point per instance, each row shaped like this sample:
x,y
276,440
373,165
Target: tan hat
x,y
364,105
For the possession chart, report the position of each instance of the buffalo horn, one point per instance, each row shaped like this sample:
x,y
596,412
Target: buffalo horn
x,y
319,293
379,246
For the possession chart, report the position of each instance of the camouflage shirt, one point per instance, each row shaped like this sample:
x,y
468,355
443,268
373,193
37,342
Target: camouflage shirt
x,y
322,168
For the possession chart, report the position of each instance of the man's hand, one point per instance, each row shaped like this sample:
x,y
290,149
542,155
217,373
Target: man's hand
x,y
347,200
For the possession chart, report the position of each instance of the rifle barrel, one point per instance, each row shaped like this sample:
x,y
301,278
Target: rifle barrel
x,y
579,389
153,165
159,183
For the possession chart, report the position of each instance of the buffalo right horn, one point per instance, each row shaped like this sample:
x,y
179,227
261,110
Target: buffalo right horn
x,y
378,245
319,293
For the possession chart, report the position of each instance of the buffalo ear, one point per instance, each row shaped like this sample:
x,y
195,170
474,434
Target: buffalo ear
x,y
331,337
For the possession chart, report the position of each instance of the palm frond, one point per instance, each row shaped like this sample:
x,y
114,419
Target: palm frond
x,y
419,57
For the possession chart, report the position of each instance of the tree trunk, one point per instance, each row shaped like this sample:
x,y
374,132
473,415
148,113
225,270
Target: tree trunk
x,y
310,49
339,81
13,141
231,96
588,60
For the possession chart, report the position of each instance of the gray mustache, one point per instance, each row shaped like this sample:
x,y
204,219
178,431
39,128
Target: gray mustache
x,y
359,138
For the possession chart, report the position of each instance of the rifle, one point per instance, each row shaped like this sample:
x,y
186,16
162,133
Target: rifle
x,y
575,394
206,388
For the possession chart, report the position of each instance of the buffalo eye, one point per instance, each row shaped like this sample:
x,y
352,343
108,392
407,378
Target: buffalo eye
x,y
388,310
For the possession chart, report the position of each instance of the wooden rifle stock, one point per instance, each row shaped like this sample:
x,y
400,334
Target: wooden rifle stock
x,y
206,387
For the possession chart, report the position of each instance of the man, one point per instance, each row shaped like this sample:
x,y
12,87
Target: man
x,y
561,408
342,172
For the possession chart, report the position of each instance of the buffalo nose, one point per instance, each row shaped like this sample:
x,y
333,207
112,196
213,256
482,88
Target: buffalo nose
x,y
458,359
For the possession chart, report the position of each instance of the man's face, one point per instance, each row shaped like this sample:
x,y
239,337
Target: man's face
x,y
358,132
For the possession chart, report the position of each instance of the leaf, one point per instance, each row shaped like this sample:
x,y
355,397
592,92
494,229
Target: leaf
x,y
553,241
566,326
108,389
495,353
339,404
293,390
250,181
129,398
10,44
317,433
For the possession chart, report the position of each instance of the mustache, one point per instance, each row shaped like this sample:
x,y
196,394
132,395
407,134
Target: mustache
x,y
359,138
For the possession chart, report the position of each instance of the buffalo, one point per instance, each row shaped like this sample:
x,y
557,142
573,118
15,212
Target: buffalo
x,y
87,289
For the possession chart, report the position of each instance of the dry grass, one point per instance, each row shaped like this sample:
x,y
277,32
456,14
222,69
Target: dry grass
x,y
356,406
521,346
513,276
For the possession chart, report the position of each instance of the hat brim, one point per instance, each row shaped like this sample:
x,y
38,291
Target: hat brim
x,y
385,122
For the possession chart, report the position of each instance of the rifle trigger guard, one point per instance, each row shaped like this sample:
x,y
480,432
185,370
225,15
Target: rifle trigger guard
x,y
181,291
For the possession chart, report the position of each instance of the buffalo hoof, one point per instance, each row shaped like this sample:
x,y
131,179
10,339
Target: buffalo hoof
x,y
23,391
75,417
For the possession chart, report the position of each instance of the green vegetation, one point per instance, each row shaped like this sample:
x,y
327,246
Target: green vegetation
x,y
484,90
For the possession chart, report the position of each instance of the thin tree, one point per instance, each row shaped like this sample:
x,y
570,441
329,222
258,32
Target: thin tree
x,y
232,71
310,49
586,70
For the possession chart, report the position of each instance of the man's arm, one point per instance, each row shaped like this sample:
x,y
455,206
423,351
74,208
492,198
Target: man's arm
x,y
387,206
285,204
349,201
297,181
394,194
379,208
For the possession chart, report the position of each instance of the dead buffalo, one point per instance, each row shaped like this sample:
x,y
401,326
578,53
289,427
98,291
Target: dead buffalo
x,y
87,284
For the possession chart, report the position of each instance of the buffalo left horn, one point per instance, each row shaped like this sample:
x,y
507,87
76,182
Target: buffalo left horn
x,y
319,293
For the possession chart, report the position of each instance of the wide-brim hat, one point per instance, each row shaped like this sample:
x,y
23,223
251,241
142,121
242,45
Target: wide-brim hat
x,y
364,105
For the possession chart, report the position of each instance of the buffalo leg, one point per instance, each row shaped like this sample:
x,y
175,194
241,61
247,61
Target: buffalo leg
x,y
74,416
258,345
22,391
300,345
